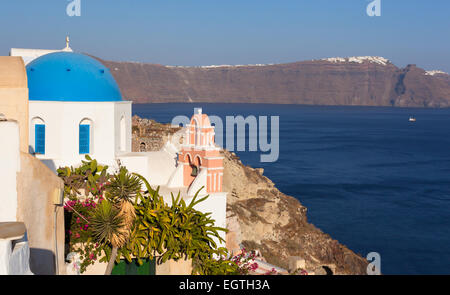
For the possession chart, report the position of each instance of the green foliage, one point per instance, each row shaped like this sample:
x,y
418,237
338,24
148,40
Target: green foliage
x,y
158,231
123,186
212,266
107,224
240,264
90,177
173,232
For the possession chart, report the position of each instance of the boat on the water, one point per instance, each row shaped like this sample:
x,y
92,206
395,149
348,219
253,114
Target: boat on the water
x,y
412,119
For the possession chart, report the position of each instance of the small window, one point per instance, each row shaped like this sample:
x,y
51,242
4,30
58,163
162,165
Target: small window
x,y
123,135
143,147
39,139
85,135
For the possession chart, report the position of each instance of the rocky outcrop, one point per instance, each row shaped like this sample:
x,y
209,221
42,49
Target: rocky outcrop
x,y
260,217
149,135
369,81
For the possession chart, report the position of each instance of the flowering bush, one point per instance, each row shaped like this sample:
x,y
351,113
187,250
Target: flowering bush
x,y
240,264
78,207
79,233
300,271
271,272
245,261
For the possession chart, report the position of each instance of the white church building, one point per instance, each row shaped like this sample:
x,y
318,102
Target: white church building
x,y
76,109
28,55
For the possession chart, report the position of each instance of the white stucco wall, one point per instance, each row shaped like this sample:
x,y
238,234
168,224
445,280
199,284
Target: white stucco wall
x,y
198,183
5,256
176,180
136,163
28,55
14,260
9,167
156,167
19,263
62,121
216,204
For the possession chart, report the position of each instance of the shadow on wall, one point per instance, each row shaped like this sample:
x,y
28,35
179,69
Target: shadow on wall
x,y
39,261
47,162
50,164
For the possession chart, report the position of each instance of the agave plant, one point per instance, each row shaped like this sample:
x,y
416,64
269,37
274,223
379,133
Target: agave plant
x,y
124,185
108,227
176,231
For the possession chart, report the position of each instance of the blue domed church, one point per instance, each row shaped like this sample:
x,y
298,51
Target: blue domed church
x,y
69,106
60,106
75,109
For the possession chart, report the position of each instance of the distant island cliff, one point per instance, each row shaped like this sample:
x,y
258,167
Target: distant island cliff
x,y
367,81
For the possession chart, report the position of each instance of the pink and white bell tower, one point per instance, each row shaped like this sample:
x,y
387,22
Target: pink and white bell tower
x,y
200,156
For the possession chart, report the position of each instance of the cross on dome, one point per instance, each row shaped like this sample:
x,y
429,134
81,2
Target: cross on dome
x,y
67,48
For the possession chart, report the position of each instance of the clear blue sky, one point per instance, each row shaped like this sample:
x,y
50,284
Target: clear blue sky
x,y
205,32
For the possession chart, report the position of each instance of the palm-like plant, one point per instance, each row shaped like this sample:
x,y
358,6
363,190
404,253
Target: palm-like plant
x,y
123,185
113,219
122,190
108,227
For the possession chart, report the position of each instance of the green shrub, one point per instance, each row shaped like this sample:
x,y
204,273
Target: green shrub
x,y
158,231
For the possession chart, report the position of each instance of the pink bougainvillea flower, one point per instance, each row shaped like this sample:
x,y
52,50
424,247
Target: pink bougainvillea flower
x,y
254,266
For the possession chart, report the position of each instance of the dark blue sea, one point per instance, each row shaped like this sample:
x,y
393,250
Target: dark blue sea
x,y
370,178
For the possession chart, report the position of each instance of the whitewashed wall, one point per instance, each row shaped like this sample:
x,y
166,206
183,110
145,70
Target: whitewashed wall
x,y
62,121
216,204
28,55
156,167
12,261
9,166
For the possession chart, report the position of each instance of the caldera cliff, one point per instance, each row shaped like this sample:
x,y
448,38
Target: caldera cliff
x,y
367,81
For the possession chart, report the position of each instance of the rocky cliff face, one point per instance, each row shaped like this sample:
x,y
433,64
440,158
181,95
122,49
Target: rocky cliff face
x,y
260,217
370,81
149,135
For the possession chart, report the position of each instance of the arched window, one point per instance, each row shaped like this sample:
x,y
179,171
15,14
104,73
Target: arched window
x,y
198,161
123,138
38,125
143,147
85,136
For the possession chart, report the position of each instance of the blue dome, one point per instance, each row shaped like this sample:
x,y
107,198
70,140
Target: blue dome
x,y
67,76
